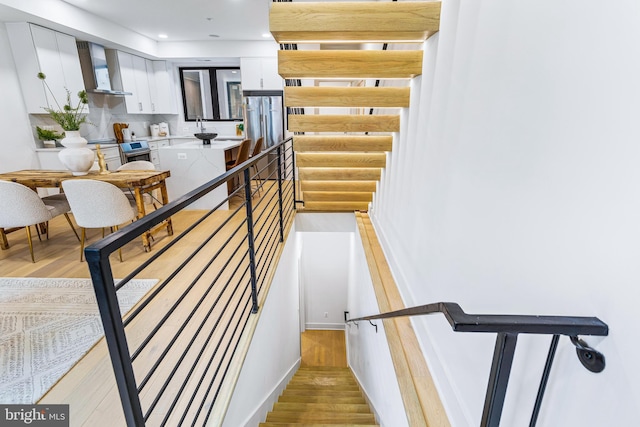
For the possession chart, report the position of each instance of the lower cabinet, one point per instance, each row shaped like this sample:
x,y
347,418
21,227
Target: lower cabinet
x,y
153,146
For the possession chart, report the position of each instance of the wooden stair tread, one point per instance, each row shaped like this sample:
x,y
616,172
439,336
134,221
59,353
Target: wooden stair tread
x,y
354,21
339,174
344,123
345,160
285,424
326,417
337,196
388,97
358,64
321,399
360,408
338,186
335,143
335,206
321,392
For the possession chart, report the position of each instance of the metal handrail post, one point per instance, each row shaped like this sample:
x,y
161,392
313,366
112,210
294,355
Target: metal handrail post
x,y
280,194
498,379
114,333
293,173
250,240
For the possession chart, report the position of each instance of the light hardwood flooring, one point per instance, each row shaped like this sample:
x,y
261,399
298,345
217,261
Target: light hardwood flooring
x,y
89,388
323,348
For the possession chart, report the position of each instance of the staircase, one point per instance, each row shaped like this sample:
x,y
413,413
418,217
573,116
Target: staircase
x,y
340,156
321,396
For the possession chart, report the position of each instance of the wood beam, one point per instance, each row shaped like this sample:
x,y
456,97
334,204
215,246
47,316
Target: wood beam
x,y
361,64
292,22
337,186
303,143
336,206
341,160
336,196
339,174
343,123
347,96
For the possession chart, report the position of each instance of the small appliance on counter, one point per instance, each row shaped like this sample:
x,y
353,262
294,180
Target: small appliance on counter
x,y
126,135
155,130
163,129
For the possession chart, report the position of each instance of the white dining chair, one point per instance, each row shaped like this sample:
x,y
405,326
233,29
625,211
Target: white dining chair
x,y
141,165
98,204
20,206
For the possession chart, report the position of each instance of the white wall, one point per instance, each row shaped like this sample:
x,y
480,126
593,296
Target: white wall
x,y
326,241
367,350
324,275
274,353
523,144
16,143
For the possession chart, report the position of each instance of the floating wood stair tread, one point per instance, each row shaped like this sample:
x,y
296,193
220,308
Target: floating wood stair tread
x,y
360,64
339,174
323,96
338,186
355,21
336,206
341,160
343,123
342,143
337,196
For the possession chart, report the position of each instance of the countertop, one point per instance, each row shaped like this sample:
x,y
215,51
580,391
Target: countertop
x,y
216,144
91,146
160,138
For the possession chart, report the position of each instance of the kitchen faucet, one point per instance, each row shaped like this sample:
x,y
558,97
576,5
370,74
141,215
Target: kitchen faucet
x,y
199,120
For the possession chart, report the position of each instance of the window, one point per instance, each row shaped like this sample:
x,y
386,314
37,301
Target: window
x,y
211,93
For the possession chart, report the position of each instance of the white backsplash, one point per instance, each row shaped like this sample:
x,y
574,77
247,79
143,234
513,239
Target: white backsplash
x,y
105,110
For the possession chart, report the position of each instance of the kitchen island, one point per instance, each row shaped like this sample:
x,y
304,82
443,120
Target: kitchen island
x,y
193,164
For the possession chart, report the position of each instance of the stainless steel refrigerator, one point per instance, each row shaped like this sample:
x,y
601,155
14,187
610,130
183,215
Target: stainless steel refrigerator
x,y
263,117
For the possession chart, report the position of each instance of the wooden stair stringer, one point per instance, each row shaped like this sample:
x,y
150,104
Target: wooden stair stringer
x,y
419,394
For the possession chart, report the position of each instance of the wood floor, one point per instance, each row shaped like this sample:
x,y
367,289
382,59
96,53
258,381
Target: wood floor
x,y
323,348
199,292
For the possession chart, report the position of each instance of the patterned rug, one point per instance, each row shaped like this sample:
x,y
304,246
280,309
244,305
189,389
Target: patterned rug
x,y
46,326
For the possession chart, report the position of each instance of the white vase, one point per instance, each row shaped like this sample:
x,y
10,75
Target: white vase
x,y
76,156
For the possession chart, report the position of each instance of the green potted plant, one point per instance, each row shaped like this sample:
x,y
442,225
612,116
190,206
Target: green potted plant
x,y
67,116
48,136
75,156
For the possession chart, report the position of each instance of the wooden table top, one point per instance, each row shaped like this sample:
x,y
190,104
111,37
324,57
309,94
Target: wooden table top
x,y
53,178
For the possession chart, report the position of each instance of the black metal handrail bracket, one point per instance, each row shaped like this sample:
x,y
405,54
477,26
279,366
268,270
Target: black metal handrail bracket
x,y
180,364
508,327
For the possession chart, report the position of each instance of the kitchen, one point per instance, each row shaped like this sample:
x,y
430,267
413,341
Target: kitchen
x,y
254,58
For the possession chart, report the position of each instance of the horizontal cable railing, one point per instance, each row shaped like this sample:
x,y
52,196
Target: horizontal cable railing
x,y
171,353
508,327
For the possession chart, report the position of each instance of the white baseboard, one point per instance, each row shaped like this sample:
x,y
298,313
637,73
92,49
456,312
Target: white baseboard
x,y
260,414
325,326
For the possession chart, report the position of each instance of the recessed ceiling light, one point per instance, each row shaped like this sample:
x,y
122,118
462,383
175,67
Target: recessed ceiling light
x,y
163,36
213,35
266,35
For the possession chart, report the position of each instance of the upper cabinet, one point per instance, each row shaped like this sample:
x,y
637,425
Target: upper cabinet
x,y
148,81
37,49
260,74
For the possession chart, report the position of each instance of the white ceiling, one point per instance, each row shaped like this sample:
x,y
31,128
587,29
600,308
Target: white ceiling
x,y
185,20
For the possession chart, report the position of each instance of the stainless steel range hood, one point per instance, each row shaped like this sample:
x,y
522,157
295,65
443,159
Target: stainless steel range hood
x,y
93,61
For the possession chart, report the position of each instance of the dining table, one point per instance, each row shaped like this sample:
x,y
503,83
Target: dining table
x,y
138,182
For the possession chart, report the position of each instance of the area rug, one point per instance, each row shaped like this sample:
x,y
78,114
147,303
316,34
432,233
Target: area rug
x,y
46,326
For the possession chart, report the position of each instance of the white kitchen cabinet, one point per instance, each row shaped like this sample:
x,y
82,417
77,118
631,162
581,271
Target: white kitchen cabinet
x,y
260,74
163,100
154,146
38,49
148,81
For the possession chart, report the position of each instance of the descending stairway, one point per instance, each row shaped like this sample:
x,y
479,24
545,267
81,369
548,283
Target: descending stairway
x,y
321,396
340,164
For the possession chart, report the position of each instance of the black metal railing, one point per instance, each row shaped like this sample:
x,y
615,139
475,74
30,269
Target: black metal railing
x,y
170,354
508,327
